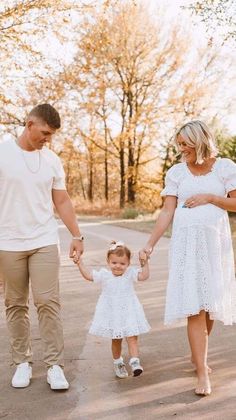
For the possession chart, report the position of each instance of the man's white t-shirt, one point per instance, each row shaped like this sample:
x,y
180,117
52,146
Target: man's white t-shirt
x,y
27,179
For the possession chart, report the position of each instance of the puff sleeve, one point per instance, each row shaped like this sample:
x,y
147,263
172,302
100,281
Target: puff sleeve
x,y
228,174
172,180
99,275
133,272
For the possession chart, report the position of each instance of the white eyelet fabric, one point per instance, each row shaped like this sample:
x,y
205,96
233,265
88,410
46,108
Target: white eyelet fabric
x,y
118,312
201,260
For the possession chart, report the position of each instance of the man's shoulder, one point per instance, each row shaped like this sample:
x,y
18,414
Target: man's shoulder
x,y
6,140
50,154
6,144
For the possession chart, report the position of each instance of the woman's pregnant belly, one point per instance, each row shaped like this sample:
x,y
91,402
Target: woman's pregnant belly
x,y
205,215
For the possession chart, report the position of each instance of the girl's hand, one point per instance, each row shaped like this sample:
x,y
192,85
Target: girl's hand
x,y
76,259
198,200
144,255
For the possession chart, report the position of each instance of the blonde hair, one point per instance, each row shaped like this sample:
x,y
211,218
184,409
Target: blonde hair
x,y
197,135
119,249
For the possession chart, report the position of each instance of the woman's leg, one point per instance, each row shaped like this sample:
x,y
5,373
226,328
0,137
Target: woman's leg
x,y
209,324
116,346
198,340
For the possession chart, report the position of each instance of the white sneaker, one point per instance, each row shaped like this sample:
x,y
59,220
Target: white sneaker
x,y
120,370
22,375
137,369
56,378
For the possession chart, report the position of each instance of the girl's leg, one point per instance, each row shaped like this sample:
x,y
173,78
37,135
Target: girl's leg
x,y
116,346
133,352
119,366
198,340
132,345
209,324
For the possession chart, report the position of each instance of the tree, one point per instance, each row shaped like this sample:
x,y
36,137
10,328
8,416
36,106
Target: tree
x,y
226,145
124,68
219,16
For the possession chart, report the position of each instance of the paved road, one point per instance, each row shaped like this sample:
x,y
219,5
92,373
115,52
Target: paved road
x,y
164,391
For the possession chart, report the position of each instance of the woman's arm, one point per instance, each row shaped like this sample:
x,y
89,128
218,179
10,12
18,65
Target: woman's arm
x,y
225,203
144,274
87,275
162,223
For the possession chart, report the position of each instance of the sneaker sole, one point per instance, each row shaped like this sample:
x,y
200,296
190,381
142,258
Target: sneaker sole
x,y
137,372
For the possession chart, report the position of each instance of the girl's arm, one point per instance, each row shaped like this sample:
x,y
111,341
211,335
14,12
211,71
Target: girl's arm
x,y
87,275
162,223
144,274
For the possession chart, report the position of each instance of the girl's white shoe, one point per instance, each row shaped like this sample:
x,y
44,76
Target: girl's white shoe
x,y
120,369
134,363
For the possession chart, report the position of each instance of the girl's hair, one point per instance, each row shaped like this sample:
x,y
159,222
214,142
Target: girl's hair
x,y
118,248
196,134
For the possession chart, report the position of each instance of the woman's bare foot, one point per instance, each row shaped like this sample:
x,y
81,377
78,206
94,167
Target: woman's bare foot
x,y
195,368
203,385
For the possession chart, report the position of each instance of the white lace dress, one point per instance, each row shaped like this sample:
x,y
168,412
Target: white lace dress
x,y
201,260
118,312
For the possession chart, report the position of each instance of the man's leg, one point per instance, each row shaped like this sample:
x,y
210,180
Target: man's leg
x,y
44,275
14,268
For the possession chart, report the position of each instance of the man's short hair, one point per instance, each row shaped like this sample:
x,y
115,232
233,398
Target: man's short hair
x,y
48,114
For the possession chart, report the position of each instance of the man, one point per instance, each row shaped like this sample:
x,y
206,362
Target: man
x,y
31,182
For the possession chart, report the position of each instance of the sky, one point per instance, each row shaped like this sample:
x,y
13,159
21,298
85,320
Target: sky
x,y
56,53
175,10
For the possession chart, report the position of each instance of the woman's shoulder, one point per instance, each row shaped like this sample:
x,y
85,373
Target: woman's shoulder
x,y
176,170
226,162
226,165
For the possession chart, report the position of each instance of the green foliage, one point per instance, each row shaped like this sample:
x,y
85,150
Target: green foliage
x,y
130,213
227,146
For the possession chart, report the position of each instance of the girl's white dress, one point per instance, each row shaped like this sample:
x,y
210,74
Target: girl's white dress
x,y
201,260
118,312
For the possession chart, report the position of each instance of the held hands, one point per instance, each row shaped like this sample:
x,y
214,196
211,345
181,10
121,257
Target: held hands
x,y
198,200
76,250
144,255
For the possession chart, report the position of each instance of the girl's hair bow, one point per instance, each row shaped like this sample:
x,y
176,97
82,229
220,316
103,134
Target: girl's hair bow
x,y
115,245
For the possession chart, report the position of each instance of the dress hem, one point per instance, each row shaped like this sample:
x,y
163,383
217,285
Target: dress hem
x,y
213,316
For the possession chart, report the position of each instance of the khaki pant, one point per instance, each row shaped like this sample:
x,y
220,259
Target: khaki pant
x,y
41,266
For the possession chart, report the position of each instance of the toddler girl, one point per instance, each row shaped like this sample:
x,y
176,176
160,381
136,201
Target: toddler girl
x,y
118,312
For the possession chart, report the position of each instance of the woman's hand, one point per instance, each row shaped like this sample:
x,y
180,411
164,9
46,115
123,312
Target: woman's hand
x,y
144,255
198,200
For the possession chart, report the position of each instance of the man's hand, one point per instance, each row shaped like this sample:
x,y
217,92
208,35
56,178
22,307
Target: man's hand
x,y
76,249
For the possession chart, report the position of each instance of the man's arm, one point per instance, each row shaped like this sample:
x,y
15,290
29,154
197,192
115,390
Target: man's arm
x,y
64,207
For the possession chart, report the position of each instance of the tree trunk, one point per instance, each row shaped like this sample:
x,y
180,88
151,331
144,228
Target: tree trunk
x,y
90,185
122,177
131,181
106,187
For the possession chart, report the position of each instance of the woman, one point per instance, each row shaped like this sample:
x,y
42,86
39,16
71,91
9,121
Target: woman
x,y
201,287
